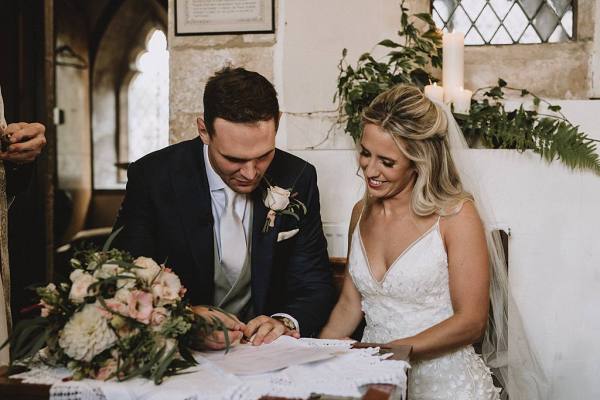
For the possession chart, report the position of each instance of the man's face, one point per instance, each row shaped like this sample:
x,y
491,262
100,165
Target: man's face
x,y
240,152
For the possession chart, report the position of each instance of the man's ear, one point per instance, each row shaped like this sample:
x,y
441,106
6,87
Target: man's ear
x,y
202,131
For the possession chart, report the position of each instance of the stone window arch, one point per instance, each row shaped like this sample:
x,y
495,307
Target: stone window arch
x,y
115,69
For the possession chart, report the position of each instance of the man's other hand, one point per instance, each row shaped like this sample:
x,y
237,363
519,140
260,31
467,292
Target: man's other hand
x,y
26,142
216,340
263,329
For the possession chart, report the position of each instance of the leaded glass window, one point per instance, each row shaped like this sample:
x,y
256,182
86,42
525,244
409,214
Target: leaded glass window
x,y
149,100
506,21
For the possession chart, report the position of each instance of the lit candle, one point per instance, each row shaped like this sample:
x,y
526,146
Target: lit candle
x,y
462,101
453,66
435,92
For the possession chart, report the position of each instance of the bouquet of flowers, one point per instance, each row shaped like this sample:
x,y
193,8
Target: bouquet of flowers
x,y
116,318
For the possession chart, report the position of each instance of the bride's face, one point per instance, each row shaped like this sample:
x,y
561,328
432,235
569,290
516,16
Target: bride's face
x,y
386,170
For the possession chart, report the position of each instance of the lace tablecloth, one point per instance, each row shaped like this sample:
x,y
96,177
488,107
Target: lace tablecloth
x,y
342,375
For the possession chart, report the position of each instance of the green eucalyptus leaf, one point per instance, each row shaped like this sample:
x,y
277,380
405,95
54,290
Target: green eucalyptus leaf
x,y
554,108
388,43
111,238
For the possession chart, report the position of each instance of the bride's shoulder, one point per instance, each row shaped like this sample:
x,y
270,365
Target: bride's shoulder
x,y
464,218
357,209
356,213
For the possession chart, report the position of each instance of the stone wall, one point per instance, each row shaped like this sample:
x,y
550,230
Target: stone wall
x,y
121,43
73,146
193,59
555,70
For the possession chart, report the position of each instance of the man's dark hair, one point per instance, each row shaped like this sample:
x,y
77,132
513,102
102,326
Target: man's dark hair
x,y
238,95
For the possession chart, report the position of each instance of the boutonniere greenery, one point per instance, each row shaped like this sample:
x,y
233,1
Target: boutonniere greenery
x,y
281,201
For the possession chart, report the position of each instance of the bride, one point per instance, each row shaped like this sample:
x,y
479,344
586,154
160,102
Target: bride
x,y
418,259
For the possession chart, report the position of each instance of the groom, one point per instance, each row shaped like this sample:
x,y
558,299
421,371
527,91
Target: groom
x,y
199,207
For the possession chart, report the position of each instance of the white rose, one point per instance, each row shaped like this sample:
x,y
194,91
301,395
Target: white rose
x,y
148,271
123,296
86,334
277,199
126,283
51,287
106,271
166,288
81,283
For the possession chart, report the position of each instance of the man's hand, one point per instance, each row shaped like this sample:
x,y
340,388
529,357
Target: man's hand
x,y
26,142
216,340
266,329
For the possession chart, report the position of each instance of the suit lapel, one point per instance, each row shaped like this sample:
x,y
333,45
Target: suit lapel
x,y
263,243
262,252
192,197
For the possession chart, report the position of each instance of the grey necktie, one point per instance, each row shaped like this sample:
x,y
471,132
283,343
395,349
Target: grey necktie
x,y
234,249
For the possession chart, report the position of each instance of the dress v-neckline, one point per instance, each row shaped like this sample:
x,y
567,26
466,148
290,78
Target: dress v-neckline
x,y
393,264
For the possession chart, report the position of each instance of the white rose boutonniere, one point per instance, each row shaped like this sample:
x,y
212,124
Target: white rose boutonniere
x,y
281,201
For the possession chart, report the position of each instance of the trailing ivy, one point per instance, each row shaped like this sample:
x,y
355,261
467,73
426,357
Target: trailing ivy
x,y
406,62
488,124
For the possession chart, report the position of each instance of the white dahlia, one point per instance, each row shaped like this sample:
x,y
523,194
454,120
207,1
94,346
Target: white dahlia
x,y
86,334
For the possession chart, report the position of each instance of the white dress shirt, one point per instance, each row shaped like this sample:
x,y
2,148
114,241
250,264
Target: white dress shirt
x,y
218,203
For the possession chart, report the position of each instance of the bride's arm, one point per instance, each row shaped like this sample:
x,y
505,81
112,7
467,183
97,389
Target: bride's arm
x,y
347,313
469,288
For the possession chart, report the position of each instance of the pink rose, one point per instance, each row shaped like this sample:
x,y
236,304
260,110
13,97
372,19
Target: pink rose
x,y
140,306
159,315
109,368
114,306
46,309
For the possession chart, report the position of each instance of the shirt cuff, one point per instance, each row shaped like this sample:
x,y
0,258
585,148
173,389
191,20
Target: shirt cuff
x,y
288,317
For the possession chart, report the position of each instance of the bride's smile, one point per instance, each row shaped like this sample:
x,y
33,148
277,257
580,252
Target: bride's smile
x,y
387,170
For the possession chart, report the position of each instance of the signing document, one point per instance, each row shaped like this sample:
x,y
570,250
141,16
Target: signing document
x,y
246,359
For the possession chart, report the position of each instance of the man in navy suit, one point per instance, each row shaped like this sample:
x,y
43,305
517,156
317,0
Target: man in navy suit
x,y
199,205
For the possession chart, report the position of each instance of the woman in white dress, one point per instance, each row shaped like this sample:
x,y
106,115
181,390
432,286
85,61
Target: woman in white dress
x,y
418,260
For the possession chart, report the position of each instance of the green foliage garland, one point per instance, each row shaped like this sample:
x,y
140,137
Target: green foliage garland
x,y
488,122
407,62
550,135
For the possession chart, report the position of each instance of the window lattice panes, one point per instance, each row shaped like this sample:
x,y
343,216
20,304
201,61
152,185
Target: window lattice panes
x,y
506,21
149,100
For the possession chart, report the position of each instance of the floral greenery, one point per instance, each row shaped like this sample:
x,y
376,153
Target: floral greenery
x,y
407,62
488,122
550,135
117,318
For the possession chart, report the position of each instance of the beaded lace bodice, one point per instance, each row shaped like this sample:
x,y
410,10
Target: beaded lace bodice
x,y
413,295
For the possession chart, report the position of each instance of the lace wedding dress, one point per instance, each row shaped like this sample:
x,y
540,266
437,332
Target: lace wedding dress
x,y
412,296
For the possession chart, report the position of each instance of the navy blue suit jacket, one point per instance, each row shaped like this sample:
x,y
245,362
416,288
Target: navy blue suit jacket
x,y
167,215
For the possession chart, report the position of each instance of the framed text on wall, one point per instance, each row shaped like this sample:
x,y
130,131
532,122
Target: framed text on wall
x,y
222,17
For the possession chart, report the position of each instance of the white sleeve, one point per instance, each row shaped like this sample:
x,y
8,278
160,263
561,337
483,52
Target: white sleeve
x,y
2,120
288,316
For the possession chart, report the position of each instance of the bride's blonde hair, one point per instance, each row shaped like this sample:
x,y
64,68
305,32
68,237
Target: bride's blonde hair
x,y
419,128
